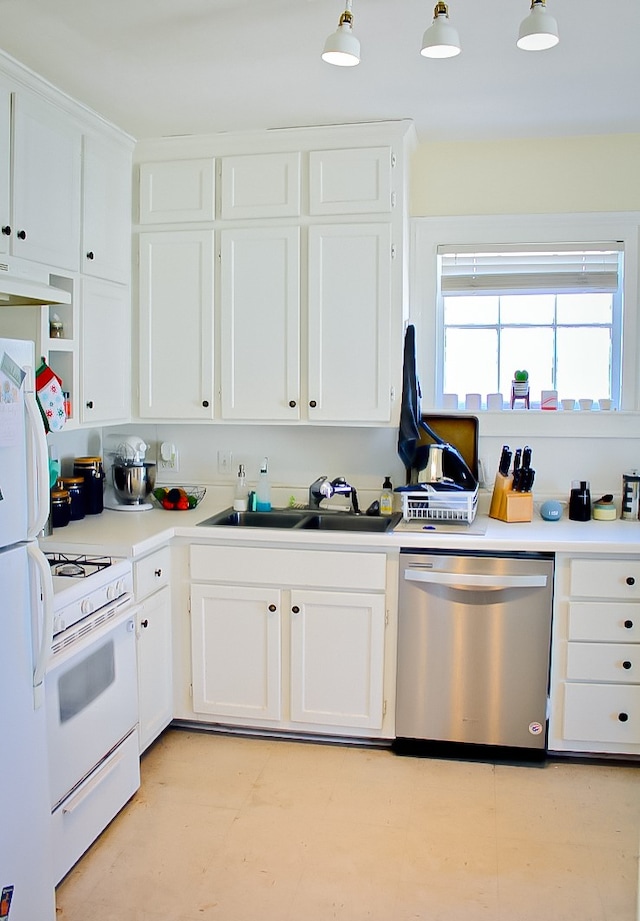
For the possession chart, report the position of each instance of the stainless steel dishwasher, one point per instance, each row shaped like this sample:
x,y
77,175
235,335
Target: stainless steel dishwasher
x,y
473,649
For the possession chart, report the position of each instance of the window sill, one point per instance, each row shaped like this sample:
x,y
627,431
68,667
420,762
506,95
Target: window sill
x,y
555,424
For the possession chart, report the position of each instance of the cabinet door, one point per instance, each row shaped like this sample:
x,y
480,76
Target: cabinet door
x,y
177,191
350,181
260,323
349,323
155,687
5,167
46,184
261,186
337,659
105,355
106,210
235,650
176,325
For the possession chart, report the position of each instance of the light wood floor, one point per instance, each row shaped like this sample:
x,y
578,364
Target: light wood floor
x,y
234,829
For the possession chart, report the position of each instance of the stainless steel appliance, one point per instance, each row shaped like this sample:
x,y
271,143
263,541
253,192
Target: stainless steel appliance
x,y
91,701
132,477
473,648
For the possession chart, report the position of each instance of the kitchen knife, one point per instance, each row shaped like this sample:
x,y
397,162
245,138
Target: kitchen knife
x,y
528,476
505,461
516,460
526,457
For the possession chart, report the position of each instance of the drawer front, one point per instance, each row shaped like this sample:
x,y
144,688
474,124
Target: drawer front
x,y
603,662
604,622
602,713
298,568
606,579
151,573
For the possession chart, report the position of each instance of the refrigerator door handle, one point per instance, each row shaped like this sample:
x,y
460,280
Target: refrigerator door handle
x,y
37,470
41,564
472,581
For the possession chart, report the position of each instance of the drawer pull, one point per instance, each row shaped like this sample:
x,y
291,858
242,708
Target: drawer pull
x,y
626,664
628,624
295,609
144,623
158,572
623,717
630,580
272,608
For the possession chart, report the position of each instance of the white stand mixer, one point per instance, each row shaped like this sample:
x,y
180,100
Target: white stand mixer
x,y
132,478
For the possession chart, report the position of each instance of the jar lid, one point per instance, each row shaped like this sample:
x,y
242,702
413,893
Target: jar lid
x,y
59,495
87,460
72,480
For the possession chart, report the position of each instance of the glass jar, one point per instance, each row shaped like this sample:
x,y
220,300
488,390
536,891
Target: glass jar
x,y
75,487
60,508
90,468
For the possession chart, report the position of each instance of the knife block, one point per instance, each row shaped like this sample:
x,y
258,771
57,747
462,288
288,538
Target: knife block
x,y
507,505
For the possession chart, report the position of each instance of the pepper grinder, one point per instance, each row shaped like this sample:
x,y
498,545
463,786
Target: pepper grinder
x,y
580,501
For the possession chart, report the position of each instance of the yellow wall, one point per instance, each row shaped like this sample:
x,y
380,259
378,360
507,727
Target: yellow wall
x,y
536,176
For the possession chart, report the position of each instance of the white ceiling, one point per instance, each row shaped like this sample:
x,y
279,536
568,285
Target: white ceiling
x,y
165,67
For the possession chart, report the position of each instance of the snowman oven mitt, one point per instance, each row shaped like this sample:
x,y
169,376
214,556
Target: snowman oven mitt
x,y
50,400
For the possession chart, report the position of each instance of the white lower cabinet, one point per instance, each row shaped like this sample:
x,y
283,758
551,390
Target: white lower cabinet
x,y
154,648
595,670
278,654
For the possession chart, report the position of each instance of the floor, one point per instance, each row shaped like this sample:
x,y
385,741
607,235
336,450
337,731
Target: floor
x,y
235,829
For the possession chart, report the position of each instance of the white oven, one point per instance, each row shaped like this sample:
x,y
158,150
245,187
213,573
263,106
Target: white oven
x,y
91,709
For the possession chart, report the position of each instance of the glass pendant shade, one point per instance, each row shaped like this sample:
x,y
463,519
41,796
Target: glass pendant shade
x,y
342,47
539,30
441,40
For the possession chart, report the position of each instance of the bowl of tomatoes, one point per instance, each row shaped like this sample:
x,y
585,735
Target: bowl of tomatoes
x,y
178,498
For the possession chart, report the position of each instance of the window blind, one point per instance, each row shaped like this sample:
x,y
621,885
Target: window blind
x,y
563,269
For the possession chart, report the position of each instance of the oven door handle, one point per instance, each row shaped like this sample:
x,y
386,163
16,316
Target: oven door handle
x,y
471,581
41,564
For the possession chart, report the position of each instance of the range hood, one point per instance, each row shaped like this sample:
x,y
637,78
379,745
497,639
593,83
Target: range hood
x,y
16,291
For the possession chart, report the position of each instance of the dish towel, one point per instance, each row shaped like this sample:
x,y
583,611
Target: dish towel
x,y
410,416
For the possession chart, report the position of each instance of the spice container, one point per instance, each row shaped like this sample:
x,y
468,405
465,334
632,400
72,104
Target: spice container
x,y
60,508
75,487
56,329
90,469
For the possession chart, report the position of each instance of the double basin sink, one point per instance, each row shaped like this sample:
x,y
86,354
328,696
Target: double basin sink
x,y
303,520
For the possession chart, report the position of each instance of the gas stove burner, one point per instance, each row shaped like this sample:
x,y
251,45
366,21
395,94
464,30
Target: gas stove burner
x,y
77,566
68,569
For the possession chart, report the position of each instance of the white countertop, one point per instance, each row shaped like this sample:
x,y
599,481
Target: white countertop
x,y
134,534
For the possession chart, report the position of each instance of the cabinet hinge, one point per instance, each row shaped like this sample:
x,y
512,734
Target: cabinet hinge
x,y
393,199
393,251
191,690
392,394
384,708
393,160
386,618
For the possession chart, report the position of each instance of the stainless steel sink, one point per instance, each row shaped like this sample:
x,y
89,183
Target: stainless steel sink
x,y
302,519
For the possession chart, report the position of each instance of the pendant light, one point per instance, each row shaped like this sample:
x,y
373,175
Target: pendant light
x,y
441,40
342,47
539,30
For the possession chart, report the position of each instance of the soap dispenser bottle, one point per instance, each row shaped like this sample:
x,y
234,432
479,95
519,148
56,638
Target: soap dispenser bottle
x,y
386,497
241,497
263,492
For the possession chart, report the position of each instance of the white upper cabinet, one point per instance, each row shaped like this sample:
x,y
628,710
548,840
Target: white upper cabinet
x,y
46,158
176,274
177,191
106,209
260,323
105,352
350,181
349,322
261,186
5,174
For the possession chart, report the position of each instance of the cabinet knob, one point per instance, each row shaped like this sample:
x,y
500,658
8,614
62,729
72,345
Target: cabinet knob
x,y
295,609
90,255
205,403
6,230
292,404
626,664
623,717
144,623
22,234
272,608
628,624
158,572
312,404
630,580
89,404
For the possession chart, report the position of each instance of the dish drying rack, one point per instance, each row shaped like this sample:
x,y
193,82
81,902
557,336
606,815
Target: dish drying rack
x,y
438,505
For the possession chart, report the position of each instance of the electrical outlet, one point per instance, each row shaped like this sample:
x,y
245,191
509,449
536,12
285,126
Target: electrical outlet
x,y
225,459
168,459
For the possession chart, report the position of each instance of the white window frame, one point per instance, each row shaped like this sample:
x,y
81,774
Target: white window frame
x,y
428,233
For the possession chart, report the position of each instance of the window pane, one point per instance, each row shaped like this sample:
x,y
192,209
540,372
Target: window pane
x,y
470,311
527,349
527,308
585,308
470,361
584,360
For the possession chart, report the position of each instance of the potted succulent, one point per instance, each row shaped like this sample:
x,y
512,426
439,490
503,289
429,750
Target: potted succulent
x,y
520,387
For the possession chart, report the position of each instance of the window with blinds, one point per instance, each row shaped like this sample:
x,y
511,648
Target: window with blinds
x,y
555,311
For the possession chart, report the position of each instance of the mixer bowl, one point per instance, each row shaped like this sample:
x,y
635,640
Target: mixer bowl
x,y
132,483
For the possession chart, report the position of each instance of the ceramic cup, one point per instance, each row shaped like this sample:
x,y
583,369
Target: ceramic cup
x,y
494,402
473,401
568,404
449,401
605,403
586,404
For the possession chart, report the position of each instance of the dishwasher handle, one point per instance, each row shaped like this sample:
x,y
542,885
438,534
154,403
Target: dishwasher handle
x,y
471,581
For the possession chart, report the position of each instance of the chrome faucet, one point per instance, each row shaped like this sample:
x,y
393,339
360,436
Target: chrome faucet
x,y
322,488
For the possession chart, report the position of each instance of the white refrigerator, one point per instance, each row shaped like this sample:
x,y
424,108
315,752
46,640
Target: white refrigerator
x,y
26,604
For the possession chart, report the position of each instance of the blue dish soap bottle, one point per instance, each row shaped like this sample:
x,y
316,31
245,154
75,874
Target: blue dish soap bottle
x,y
263,491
